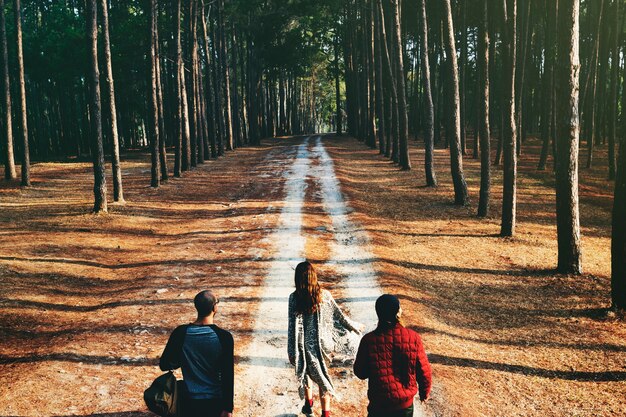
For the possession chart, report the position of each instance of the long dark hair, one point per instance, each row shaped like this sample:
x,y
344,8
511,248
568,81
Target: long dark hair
x,y
308,290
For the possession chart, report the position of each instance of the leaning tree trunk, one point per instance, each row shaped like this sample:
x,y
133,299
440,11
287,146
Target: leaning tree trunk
x,y
429,128
483,120
22,88
99,188
509,136
568,133
118,192
9,167
461,197
154,103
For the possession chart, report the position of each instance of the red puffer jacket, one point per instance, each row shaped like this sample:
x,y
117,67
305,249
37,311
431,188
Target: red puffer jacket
x,y
395,362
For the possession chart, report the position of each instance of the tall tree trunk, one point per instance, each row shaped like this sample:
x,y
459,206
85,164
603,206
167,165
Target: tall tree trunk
x,y
192,91
186,128
338,121
162,130
210,87
154,106
97,150
403,123
22,88
429,130
509,137
225,68
393,100
568,131
178,140
618,235
380,93
547,119
591,100
615,65
461,196
463,71
118,192
9,166
483,120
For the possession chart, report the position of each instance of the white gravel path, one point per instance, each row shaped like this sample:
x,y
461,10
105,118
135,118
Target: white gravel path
x,y
265,382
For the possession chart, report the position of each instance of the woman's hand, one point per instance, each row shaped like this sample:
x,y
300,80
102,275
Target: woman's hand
x,y
226,414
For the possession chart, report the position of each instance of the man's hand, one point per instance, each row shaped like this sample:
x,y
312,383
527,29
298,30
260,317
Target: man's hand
x,y
226,414
423,400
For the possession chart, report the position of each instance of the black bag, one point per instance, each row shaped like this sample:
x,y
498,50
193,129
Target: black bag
x,y
164,396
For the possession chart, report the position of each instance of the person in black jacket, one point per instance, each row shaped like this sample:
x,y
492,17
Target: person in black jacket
x,y
205,353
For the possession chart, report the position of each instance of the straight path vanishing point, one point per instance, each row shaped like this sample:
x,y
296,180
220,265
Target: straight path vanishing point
x,y
266,381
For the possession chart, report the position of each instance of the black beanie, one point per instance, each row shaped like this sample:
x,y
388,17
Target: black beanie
x,y
387,307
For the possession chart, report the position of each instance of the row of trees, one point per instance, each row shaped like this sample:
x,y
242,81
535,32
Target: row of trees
x,y
203,78
529,50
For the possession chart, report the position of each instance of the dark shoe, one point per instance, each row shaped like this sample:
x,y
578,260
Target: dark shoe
x,y
307,409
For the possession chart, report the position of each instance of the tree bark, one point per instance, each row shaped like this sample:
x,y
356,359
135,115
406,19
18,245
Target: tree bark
x,y
154,106
403,123
225,68
22,88
338,121
159,87
118,191
97,150
429,129
461,197
618,235
568,131
178,140
547,119
509,134
483,120
591,100
615,65
9,166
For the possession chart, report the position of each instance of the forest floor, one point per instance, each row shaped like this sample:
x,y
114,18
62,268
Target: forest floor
x,y
87,302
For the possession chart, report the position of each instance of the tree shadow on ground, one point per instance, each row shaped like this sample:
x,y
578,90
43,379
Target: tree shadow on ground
x,y
117,414
580,376
74,357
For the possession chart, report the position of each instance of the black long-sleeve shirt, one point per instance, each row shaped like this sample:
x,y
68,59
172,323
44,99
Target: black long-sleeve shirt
x,y
206,356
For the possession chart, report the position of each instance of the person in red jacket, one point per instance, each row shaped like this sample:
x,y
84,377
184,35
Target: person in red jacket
x,y
394,361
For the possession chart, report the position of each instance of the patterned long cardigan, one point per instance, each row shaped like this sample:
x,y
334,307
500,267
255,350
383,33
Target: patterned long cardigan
x,y
314,338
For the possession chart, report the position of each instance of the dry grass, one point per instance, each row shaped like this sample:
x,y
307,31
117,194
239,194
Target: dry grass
x,y
83,311
506,336
88,301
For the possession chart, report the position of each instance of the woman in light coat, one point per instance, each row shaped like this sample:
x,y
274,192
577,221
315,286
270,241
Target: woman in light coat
x,y
317,328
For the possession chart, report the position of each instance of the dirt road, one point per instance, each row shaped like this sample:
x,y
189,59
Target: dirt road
x,y
89,300
266,380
